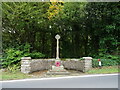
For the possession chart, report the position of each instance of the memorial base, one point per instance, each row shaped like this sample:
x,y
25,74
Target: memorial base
x,y
58,71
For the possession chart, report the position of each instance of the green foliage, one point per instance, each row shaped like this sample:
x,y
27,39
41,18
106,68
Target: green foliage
x,y
36,55
85,28
13,68
12,56
105,62
82,59
107,57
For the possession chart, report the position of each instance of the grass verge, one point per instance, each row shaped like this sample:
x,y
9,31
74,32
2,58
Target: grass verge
x,y
13,76
18,75
104,70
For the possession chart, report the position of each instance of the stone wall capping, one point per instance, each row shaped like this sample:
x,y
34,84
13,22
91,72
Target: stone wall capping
x,y
25,65
74,59
87,58
26,58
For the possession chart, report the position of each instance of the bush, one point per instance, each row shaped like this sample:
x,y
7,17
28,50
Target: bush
x,y
36,55
105,62
13,68
12,56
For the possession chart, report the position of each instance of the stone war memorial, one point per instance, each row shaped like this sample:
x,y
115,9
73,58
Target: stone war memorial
x,y
55,66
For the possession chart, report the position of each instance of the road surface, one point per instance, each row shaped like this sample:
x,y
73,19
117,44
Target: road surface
x,y
93,81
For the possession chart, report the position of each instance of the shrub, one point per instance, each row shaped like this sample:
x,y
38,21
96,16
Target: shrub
x,y
12,56
13,68
105,62
36,55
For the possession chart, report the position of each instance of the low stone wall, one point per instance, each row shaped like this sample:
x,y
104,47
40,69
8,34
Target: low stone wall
x,y
74,64
41,64
29,65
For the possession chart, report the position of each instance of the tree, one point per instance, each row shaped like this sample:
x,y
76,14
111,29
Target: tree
x,y
85,28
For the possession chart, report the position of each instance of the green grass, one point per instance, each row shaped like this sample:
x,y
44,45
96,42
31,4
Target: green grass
x,y
103,70
13,76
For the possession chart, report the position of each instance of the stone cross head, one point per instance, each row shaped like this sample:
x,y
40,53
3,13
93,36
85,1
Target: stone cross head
x,y
57,36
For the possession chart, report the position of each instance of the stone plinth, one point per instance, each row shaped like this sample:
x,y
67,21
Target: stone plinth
x,y
88,63
58,71
25,64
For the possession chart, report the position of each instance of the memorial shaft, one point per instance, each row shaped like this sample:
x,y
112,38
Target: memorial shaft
x,y
57,52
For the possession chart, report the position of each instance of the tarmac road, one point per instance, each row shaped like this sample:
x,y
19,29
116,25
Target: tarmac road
x,y
87,81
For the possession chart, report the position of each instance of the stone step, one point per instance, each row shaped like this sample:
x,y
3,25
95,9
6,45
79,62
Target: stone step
x,y
57,73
